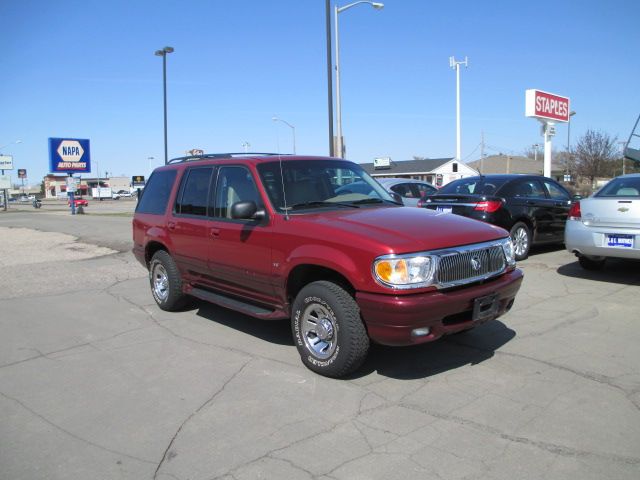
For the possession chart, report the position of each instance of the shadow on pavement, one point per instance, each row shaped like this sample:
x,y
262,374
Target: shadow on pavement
x,y
616,270
407,363
420,361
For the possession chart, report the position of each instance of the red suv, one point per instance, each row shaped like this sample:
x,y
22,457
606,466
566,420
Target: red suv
x,y
278,236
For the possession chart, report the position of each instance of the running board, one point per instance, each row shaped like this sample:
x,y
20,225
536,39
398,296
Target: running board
x,y
231,303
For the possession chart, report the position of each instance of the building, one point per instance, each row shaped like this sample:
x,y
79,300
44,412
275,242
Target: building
x,y
437,171
56,185
515,164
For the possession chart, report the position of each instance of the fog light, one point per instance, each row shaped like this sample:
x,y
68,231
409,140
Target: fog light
x,y
420,332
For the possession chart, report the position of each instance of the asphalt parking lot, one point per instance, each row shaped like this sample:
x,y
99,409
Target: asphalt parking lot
x,y
97,382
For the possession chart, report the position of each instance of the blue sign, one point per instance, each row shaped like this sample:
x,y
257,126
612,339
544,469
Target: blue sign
x,y
69,155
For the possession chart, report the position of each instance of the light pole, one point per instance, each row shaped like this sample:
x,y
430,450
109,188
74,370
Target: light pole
x,y
163,53
456,66
571,114
293,130
340,147
150,160
246,146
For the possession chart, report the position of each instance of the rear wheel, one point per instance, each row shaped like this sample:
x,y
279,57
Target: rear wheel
x,y
591,263
328,331
166,283
521,237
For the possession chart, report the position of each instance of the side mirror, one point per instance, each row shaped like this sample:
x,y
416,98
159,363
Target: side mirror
x,y
246,211
396,197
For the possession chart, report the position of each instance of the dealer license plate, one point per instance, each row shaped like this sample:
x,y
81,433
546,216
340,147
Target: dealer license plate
x,y
443,209
620,241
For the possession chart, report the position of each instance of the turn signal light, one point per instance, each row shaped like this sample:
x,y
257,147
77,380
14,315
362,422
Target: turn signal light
x,y
574,212
488,206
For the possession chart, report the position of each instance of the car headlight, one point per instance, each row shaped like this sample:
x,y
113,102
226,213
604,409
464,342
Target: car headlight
x,y
509,252
405,271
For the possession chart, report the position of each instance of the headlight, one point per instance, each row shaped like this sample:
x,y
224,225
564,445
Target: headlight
x,y
509,252
405,271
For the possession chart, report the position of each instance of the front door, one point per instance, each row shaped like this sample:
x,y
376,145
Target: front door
x,y
239,250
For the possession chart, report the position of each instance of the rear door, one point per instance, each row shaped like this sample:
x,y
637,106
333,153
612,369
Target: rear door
x,y
560,203
526,198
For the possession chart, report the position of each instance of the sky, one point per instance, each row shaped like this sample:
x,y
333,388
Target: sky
x,y
87,69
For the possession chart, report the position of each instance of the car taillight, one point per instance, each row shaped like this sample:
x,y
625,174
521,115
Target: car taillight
x,y
488,206
574,212
420,204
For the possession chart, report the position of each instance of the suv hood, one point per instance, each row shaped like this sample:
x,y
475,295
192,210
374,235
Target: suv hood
x,y
400,229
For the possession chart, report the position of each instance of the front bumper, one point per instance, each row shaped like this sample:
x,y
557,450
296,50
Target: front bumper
x,y
591,240
392,319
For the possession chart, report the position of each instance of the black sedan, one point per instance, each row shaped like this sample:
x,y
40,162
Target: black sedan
x,y
532,208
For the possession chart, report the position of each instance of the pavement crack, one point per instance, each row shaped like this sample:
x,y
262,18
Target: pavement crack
x,y
71,434
210,400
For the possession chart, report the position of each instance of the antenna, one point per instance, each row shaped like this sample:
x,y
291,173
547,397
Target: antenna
x,y
284,194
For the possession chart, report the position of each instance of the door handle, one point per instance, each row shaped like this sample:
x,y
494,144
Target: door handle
x,y
215,232
171,225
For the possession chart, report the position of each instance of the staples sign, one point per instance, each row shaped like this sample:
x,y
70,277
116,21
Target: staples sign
x,y
546,105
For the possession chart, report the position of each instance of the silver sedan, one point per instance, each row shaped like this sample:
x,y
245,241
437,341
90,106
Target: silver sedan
x,y
607,224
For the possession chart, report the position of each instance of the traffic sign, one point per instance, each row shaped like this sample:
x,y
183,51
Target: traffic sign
x,y
69,155
6,162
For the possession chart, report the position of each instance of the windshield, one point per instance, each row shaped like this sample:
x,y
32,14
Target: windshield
x,y
621,187
473,186
319,183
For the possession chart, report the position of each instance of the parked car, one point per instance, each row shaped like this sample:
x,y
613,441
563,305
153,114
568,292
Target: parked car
x,y
279,237
532,208
79,202
413,192
120,193
607,224
26,198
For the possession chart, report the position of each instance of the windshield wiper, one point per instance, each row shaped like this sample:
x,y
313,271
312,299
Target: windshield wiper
x,y
370,200
317,204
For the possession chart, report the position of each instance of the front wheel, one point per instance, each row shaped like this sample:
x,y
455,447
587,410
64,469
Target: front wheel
x,y
327,329
521,237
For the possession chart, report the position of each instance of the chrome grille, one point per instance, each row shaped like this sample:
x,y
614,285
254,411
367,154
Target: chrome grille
x,y
469,265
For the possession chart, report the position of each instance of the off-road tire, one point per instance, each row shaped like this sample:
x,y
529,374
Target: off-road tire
x,y
166,283
521,237
324,309
590,263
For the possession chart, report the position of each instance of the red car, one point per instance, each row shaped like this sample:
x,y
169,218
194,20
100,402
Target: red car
x,y
279,237
79,202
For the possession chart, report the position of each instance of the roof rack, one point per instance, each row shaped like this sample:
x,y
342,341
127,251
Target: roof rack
x,y
205,156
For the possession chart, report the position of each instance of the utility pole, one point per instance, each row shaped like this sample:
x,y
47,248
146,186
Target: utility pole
x,y
622,144
481,152
456,66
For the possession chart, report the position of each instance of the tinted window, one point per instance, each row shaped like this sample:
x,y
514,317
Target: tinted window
x,y
234,184
194,192
473,185
524,188
155,196
556,191
621,187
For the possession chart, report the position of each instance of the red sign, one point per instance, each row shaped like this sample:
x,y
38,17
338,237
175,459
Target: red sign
x,y
546,105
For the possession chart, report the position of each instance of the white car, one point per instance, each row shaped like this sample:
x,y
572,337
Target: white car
x,y
412,191
120,193
607,224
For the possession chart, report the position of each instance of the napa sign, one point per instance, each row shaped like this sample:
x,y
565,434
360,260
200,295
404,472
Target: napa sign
x,y
71,155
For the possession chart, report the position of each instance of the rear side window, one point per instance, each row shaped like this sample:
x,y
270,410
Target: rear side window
x,y
556,191
155,195
194,192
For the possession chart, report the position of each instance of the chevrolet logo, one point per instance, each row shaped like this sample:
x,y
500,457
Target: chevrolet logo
x,y
623,209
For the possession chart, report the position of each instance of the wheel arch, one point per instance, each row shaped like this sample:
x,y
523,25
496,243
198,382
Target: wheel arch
x,y
304,274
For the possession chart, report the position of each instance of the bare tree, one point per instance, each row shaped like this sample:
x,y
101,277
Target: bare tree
x,y
594,153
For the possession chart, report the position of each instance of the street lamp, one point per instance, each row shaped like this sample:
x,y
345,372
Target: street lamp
x,y
163,53
378,6
293,129
11,143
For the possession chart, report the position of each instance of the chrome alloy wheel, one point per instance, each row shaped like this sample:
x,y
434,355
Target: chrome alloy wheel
x,y
520,241
160,282
319,330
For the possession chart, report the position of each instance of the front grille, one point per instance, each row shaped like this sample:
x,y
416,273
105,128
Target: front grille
x,y
469,265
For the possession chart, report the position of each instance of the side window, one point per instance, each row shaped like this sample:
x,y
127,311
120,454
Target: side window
x,y
556,192
526,189
194,192
423,190
234,184
403,190
155,195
